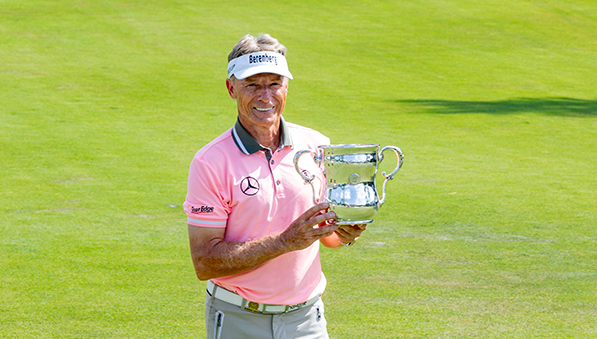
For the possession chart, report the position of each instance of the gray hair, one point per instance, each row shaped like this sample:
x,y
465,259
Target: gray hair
x,y
250,44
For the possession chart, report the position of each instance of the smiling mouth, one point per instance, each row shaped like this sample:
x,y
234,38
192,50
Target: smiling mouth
x,y
264,109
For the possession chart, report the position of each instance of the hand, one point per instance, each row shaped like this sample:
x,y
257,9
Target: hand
x,y
302,233
349,233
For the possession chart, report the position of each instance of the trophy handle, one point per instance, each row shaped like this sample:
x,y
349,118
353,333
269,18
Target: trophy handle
x,y
307,179
390,176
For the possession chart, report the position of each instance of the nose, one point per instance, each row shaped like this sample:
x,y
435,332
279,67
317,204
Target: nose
x,y
265,94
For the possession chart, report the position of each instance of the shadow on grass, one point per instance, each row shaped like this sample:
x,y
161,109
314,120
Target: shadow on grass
x,y
550,106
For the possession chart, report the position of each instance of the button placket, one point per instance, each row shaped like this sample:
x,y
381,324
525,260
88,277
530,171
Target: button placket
x,y
276,177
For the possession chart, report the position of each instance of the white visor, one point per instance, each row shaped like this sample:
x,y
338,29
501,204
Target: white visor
x,y
260,62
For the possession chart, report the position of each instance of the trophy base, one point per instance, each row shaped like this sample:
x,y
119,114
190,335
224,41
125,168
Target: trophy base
x,y
354,222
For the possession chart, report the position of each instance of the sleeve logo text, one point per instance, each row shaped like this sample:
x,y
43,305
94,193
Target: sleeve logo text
x,y
201,209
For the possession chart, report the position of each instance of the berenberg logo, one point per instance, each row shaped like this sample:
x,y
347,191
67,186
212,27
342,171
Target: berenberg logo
x,y
201,209
256,59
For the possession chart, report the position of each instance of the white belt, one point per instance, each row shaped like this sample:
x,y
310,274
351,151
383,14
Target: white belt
x,y
229,297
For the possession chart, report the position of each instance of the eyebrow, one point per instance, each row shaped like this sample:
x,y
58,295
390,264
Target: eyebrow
x,y
269,81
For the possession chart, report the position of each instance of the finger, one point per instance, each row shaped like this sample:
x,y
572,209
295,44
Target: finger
x,y
322,219
357,228
350,228
324,231
343,237
343,233
311,212
350,231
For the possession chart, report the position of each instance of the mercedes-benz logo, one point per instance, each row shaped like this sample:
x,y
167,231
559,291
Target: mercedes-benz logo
x,y
249,186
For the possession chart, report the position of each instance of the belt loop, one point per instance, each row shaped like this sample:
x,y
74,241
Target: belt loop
x,y
212,293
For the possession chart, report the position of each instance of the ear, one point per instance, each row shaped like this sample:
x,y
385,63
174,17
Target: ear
x,y
230,87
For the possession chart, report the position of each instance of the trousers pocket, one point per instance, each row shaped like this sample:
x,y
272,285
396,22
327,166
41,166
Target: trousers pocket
x,y
218,324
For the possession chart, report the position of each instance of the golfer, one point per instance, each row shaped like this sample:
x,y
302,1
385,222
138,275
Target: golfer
x,y
253,230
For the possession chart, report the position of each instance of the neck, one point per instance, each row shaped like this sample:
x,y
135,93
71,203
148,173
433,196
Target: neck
x,y
267,136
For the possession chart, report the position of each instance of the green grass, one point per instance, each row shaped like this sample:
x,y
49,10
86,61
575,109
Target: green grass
x,y
488,230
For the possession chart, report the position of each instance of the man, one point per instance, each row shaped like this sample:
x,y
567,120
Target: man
x,y
253,231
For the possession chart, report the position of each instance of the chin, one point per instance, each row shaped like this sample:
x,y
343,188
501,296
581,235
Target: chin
x,y
269,117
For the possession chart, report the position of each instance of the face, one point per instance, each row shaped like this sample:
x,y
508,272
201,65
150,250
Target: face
x,y
260,99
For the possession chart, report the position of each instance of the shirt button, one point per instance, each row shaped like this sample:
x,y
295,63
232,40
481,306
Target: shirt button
x,y
277,182
272,162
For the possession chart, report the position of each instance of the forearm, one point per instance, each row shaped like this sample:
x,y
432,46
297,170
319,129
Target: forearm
x,y
331,241
226,258
213,257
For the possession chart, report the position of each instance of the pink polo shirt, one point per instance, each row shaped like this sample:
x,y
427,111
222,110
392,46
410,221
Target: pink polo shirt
x,y
237,185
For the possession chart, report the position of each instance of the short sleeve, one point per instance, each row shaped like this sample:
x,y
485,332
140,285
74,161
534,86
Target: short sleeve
x,y
206,202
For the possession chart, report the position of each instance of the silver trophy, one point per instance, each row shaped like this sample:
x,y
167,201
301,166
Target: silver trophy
x,y
350,172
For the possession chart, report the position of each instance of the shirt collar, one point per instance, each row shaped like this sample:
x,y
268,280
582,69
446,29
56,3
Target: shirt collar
x,y
248,145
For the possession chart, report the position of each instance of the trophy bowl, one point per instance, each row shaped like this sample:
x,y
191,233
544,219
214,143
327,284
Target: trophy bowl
x,y
349,172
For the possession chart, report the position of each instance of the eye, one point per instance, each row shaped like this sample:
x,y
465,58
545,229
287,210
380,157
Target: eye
x,y
251,87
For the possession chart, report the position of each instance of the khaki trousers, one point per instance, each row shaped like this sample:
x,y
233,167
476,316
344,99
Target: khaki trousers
x,y
226,321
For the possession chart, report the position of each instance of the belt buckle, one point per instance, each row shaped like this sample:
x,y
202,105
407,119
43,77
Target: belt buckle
x,y
252,307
